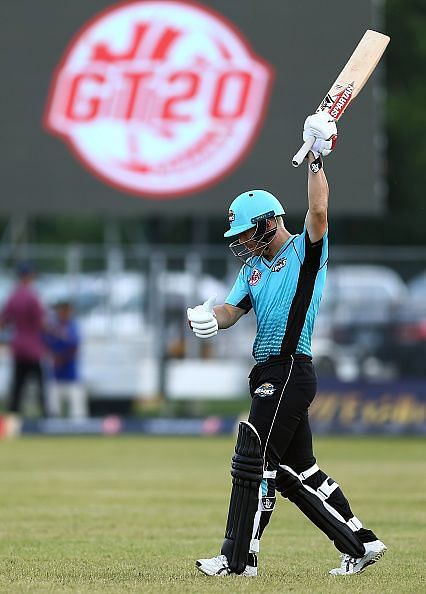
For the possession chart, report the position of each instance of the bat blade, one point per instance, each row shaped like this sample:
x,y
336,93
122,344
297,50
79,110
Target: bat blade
x,y
350,81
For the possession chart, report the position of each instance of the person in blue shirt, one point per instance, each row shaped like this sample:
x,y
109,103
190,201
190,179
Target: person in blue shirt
x,y
62,339
282,280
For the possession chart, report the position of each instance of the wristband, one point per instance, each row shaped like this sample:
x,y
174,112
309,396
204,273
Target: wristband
x,y
316,165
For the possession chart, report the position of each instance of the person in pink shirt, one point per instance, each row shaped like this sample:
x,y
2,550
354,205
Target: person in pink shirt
x,y
24,314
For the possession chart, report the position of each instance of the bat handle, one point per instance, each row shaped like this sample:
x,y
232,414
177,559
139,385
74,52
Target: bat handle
x,y
303,151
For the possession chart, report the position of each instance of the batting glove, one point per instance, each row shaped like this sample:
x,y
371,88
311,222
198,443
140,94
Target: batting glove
x,y
202,319
323,128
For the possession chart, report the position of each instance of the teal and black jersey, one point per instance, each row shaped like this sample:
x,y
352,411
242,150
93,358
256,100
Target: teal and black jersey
x,y
285,294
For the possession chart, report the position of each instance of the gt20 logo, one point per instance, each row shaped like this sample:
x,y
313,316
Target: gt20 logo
x,y
159,97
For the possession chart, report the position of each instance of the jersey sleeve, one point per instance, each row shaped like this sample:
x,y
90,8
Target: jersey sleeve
x,y
313,255
240,295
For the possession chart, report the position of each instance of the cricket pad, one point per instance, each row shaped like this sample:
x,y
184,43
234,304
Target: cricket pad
x,y
292,488
247,474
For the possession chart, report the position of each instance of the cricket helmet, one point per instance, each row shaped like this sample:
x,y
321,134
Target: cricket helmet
x,y
251,207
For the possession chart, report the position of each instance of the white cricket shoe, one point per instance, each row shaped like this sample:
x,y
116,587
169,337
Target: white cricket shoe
x,y
349,565
214,566
219,566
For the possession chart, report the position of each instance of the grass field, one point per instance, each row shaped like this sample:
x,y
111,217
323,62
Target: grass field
x,y
132,515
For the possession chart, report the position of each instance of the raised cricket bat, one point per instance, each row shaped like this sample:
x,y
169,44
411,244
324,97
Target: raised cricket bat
x,y
350,81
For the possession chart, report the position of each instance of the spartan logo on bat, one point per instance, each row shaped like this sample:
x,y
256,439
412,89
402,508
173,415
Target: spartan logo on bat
x,y
159,97
341,102
336,105
326,103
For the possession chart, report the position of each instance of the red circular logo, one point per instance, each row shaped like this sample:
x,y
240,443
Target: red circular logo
x,y
159,98
255,277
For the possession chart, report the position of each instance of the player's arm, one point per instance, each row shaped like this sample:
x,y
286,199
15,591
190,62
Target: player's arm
x,y
227,315
323,128
316,218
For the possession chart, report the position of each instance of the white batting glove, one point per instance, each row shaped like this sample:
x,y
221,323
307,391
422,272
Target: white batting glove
x,y
323,128
202,319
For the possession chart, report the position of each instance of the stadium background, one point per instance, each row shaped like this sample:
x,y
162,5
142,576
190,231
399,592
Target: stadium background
x,y
133,264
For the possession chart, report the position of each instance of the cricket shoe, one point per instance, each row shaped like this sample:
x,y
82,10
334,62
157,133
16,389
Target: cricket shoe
x,y
219,566
214,566
349,565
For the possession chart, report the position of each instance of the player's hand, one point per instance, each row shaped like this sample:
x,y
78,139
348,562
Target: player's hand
x,y
323,128
202,319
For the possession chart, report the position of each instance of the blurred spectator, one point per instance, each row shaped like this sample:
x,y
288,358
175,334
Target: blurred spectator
x,y
62,338
24,314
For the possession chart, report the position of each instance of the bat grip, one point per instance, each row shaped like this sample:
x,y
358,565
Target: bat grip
x,y
303,151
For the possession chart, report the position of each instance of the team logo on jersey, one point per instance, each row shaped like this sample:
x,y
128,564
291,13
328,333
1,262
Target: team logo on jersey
x,y
265,389
279,264
159,97
255,277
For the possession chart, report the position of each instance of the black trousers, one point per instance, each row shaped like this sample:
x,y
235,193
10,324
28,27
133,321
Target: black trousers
x,y
282,390
24,370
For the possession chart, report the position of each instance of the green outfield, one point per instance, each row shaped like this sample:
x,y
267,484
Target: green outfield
x,y
132,514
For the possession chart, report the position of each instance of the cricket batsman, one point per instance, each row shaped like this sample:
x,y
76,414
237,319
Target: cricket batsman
x,y
282,279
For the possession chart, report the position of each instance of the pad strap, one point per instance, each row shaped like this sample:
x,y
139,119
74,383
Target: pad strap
x,y
354,524
307,473
316,165
315,507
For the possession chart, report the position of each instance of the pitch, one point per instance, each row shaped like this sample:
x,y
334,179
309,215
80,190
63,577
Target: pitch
x,y
132,514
